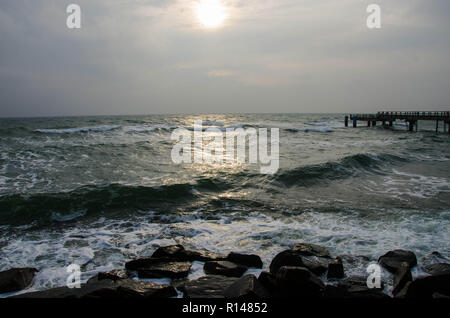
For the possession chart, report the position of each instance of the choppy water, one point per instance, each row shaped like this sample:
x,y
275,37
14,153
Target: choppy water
x,y
98,191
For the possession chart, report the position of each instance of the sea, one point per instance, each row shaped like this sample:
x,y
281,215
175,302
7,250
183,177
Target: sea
x,y
99,191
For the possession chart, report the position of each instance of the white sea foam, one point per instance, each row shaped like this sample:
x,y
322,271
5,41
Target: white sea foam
x,y
78,129
104,244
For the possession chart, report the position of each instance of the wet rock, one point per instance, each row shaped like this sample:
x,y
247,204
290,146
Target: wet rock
x,y
307,249
401,277
353,287
165,269
295,281
179,253
245,259
293,258
393,260
268,280
16,279
425,287
125,288
210,286
247,287
144,262
115,274
335,268
224,268
435,269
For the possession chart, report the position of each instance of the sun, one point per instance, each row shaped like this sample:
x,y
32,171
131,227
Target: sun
x,y
211,13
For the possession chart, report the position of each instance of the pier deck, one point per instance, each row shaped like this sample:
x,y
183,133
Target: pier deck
x,y
409,117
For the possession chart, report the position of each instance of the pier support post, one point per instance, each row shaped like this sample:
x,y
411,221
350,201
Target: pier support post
x,y
437,125
354,122
391,123
368,123
346,121
374,123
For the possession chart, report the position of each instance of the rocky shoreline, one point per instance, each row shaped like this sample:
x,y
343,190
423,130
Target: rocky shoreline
x,y
305,270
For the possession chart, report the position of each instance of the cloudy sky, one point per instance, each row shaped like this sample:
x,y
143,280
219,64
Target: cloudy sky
x,y
158,56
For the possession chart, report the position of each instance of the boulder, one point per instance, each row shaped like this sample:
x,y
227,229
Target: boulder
x,y
293,258
353,287
115,274
136,264
426,287
295,281
210,286
393,260
106,288
224,268
165,269
401,277
438,268
268,280
16,279
247,287
249,260
179,253
335,268
307,249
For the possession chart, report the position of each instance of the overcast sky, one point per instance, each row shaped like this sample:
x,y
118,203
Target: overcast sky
x,y
155,56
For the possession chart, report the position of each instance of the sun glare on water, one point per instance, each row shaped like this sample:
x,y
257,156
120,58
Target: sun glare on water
x,y
211,13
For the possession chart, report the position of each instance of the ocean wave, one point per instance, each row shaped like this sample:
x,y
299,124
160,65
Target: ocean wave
x,y
21,209
348,166
76,130
307,130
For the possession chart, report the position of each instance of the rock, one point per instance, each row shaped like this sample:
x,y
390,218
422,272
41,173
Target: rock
x,y
171,252
353,287
247,287
425,287
115,274
224,268
268,280
165,269
210,286
144,262
179,253
435,269
307,249
393,260
401,277
335,268
124,288
293,258
16,279
295,281
245,259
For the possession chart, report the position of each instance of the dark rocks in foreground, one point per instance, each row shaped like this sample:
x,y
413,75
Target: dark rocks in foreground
x,y
210,286
295,281
245,259
335,268
294,258
124,288
224,268
246,288
294,273
179,253
393,260
16,279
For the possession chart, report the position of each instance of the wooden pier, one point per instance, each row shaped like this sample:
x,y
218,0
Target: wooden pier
x,y
411,118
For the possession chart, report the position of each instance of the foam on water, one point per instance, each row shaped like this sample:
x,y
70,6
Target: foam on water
x,y
78,129
108,244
